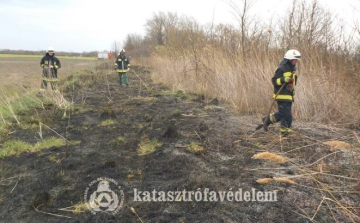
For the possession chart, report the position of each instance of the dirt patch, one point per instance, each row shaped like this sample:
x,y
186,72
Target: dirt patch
x,y
147,137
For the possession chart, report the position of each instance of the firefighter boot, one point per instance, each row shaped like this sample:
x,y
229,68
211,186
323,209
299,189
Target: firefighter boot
x,y
267,120
285,131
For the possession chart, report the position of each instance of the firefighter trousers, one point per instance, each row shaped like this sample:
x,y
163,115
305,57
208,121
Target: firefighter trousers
x,y
284,114
49,75
123,78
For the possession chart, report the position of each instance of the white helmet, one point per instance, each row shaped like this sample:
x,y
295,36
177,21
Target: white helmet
x,y
50,50
122,50
292,55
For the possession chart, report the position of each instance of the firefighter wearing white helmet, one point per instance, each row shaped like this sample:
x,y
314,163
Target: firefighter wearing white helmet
x,y
292,55
122,66
50,64
50,50
284,81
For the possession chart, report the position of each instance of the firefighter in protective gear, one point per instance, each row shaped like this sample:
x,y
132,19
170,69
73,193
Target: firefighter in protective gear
x,y
122,66
285,75
50,64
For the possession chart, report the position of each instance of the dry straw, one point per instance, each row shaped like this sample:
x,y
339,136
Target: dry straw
x,y
270,156
134,212
337,145
264,180
284,180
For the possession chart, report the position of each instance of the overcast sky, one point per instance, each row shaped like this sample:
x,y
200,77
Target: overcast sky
x,y
93,25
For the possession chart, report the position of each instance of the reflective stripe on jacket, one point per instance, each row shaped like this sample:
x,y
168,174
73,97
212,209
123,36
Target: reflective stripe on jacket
x,y
50,60
123,63
285,69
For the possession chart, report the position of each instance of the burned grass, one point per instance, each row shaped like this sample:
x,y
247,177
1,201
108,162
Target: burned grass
x,y
151,138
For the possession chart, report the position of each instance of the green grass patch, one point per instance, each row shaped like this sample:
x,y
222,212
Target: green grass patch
x,y
19,56
10,107
77,58
72,81
176,113
108,122
180,95
141,100
117,141
75,143
77,80
19,108
4,131
16,147
48,143
10,91
195,148
164,93
53,158
147,146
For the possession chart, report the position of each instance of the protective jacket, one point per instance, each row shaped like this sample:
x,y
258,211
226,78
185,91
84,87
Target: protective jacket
x,y
123,63
285,69
50,60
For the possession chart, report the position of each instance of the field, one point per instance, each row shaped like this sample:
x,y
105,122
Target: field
x,y
21,78
40,56
23,71
150,137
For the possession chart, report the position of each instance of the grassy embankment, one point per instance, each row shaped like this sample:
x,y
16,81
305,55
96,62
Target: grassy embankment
x,y
21,78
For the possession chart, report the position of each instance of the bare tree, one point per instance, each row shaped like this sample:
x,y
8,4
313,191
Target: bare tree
x,y
241,15
137,45
115,47
161,26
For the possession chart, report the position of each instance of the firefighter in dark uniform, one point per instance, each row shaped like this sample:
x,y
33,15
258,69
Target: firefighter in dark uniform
x,y
50,64
122,66
285,75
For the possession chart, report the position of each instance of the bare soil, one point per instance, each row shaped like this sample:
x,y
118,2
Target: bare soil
x,y
201,144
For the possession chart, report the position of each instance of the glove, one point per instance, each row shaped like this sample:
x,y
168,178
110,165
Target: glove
x,y
115,67
288,80
290,85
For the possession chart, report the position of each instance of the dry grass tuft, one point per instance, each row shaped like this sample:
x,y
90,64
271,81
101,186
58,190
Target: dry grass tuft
x,y
77,208
284,180
337,145
264,180
270,156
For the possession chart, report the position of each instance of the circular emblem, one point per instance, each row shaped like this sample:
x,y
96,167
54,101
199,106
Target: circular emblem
x,y
104,195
